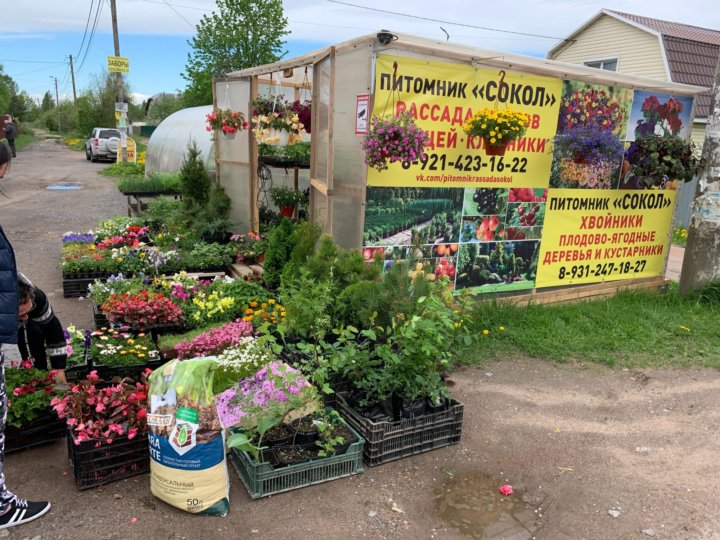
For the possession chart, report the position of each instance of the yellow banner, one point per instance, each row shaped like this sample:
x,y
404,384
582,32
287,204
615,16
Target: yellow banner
x,y
131,151
592,236
441,97
118,64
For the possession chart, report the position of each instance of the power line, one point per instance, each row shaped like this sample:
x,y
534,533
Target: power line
x,y
445,22
178,13
176,5
92,35
87,25
32,62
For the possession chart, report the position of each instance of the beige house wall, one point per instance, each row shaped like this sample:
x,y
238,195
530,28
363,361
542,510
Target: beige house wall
x,y
698,134
638,52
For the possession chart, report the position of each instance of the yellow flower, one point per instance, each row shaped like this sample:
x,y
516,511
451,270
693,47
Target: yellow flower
x,y
271,301
502,328
486,332
253,304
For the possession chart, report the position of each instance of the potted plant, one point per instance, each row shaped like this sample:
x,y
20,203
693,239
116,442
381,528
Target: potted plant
x,y
250,247
274,122
393,139
215,340
113,348
588,144
657,161
286,200
304,111
106,429
143,310
497,128
226,121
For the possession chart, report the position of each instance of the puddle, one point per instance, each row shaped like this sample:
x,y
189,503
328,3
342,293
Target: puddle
x,y
66,186
471,503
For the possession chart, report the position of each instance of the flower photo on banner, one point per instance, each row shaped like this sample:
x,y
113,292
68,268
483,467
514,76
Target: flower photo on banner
x,y
659,114
588,148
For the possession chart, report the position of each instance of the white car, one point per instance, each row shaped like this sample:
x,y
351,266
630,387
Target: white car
x,y
102,144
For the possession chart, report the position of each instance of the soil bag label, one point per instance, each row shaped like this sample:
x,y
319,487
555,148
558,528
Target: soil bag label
x,y
187,449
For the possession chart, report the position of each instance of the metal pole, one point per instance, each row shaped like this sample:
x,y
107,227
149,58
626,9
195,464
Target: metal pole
x,y
72,75
57,101
119,79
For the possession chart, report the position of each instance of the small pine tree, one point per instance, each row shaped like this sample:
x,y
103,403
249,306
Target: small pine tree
x,y
194,180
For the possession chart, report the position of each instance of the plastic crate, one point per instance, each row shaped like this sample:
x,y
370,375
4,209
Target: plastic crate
x,y
261,480
133,371
388,441
100,319
45,429
107,463
80,371
76,287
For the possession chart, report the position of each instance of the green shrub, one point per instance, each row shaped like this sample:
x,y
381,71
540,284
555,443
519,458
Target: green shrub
x,y
280,246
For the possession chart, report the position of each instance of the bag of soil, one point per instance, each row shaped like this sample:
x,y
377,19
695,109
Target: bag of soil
x,y
187,447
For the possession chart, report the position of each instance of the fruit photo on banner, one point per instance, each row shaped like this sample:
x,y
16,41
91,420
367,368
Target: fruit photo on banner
x,y
588,147
497,266
485,201
406,215
659,152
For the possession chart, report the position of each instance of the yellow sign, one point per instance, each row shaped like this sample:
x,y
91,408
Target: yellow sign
x,y
441,97
118,64
118,115
600,235
131,151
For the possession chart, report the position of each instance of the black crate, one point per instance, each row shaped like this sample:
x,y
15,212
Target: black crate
x,y
132,371
388,441
100,319
75,288
107,463
45,429
80,371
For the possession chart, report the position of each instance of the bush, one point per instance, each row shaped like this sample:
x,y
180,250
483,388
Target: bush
x,y
125,170
280,246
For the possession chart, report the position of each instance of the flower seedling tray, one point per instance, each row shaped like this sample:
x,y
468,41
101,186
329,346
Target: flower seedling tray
x,y
261,479
388,441
132,371
79,371
107,463
76,287
45,429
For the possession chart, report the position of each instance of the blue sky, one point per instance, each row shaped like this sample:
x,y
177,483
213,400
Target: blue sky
x,y
38,35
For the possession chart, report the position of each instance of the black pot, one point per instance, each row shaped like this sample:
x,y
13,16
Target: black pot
x,y
292,455
440,406
380,412
349,437
303,432
410,408
280,435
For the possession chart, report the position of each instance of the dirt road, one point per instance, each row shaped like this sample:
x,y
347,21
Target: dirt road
x,y
591,453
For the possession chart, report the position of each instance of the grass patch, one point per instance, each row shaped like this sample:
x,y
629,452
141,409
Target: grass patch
x,y
632,329
128,170
24,139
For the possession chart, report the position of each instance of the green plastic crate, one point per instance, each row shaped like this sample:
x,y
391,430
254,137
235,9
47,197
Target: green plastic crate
x,y
261,479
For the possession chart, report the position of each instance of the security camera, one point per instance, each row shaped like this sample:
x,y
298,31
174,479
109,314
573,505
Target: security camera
x,y
385,37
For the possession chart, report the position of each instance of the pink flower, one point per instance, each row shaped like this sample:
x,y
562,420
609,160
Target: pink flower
x,y
506,489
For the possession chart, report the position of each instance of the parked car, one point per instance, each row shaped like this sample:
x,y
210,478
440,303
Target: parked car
x,y
102,144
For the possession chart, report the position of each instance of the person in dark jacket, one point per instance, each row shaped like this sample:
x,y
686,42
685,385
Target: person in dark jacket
x,y
13,509
10,133
40,333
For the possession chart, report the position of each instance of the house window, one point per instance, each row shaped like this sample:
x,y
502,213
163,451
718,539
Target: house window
x,y
607,65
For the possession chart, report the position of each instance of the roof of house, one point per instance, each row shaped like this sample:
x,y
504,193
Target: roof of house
x,y
692,52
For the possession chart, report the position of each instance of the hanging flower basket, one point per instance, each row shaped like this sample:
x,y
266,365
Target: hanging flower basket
x,y
497,128
226,121
392,139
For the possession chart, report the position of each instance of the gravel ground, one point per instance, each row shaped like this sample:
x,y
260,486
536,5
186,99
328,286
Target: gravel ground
x,y
591,453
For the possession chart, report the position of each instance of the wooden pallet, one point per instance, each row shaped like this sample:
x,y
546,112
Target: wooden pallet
x,y
243,271
580,293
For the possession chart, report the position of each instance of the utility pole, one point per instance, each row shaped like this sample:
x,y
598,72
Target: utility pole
x,y
57,101
701,262
72,75
119,78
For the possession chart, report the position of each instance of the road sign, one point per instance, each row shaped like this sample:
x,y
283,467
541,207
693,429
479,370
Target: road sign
x,y
131,151
118,64
121,107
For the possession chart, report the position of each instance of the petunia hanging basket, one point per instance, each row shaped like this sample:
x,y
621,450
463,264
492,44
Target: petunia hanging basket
x,y
392,139
226,121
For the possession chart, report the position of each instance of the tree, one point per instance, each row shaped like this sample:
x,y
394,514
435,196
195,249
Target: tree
x,y
8,88
242,34
47,102
163,106
701,262
96,103
23,107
